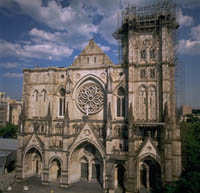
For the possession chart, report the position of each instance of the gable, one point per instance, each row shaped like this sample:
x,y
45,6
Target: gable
x,y
34,141
87,134
92,55
149,149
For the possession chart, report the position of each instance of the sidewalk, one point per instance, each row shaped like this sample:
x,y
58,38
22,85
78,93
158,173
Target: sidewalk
x,y
35,186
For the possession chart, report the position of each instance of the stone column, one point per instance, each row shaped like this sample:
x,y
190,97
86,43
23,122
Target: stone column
x,y
45,179
115,177
132,169
19,165
89,170
147,178
108,187
176,152
64,173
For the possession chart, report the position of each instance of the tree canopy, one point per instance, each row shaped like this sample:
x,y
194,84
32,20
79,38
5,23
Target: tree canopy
x,y
190,179
9,131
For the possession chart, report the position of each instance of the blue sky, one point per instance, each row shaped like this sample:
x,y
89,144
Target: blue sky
x,y
53,32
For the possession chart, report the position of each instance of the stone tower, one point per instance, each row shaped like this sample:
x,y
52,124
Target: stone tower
x,y
110,124
147,36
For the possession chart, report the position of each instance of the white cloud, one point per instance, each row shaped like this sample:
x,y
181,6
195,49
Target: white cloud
x,y
76,19
195,33
12,75
108,26
69,18
191,46
74,23
46,50
104,48
42,34
185,20
74,40
9,65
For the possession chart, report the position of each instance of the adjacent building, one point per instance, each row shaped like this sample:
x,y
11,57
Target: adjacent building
x,y
10,110
188,113
97,121
8,154
4,109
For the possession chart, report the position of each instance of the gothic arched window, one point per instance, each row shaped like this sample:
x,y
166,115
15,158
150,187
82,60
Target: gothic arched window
x,y
121,102
152,53
44,95
142,103
142,73
152,73
152,103
61,102
36,95
143,54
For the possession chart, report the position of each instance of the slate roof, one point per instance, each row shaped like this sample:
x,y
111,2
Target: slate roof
x,y
8,144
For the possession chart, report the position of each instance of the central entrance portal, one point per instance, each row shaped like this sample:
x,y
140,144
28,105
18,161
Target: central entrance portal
x,y
86,164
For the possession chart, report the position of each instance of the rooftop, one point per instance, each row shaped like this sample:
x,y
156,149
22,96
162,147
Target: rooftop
x,y
8,144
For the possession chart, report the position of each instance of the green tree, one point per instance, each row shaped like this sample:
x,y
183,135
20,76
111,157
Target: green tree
x,y
9,131
190,179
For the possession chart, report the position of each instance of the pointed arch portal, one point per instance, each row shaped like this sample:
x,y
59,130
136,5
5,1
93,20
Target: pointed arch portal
x,y
120,178
32,163
54,169
86,163
150,175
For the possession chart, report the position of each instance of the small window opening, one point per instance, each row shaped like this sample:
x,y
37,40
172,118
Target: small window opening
x,y
143,54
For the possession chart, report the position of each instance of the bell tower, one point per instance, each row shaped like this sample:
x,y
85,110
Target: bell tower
x,y
147,35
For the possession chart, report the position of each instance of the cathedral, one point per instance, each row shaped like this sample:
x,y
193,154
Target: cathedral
x,y
113,124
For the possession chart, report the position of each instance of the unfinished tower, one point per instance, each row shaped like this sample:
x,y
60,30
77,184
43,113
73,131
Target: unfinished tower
x,y
147,36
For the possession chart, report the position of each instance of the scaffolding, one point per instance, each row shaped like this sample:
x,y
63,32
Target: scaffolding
x,y
146,19
150,20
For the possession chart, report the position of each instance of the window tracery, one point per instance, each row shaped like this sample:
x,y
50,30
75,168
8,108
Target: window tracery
x,y
44,95
152,53
152,73
143,54
36,95
61,102
121,102
142,103
90,98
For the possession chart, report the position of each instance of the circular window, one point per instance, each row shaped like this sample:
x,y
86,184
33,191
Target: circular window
x,y
90,98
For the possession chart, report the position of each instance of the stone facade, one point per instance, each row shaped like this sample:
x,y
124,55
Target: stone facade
x,y
102,122
15,111
10,110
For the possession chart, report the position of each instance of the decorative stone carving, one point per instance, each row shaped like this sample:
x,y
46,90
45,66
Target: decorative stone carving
x,y
103,75
87,132
90,98
68,82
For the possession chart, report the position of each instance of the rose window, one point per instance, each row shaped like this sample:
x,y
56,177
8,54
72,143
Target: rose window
x,y
90,98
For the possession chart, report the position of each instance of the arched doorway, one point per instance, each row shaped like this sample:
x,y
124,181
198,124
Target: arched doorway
x,y
150,175
84,168
32,165
86,163
54,170
120,178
